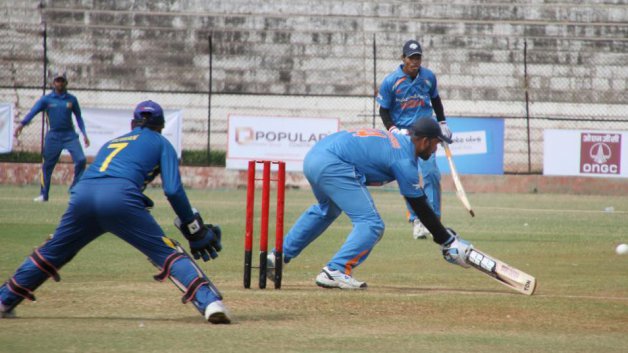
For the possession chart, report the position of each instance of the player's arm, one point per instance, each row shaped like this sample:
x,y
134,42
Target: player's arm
x,y
429,219
171,181
439,110
385,101
76,109
204,239
37,108
455,249
386,117
437,105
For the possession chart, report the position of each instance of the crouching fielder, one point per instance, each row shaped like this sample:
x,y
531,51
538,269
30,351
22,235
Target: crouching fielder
x,y
109,198
339,168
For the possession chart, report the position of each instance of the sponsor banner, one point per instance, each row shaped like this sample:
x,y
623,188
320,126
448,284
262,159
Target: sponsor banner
x,y
6,127
274,138
585,153
477,148
103,125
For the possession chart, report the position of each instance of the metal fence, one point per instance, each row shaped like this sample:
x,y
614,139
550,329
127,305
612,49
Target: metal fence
x,y
218,77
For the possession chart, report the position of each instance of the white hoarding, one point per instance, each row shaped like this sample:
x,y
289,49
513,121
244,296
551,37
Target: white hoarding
x,y
285,139
585,153
6,127
103,125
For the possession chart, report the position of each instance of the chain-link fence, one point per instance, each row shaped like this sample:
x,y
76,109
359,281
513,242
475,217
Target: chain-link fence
x,y
281,73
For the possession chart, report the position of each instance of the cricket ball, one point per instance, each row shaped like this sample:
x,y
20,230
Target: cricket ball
x,y
622,249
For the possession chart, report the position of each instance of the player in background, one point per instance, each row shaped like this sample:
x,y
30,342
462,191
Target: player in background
x,y
406,95
109,198
339,168
58,106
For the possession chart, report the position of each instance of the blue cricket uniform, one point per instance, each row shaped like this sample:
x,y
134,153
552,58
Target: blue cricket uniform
x,y
59,109
109,198
409,100
339,168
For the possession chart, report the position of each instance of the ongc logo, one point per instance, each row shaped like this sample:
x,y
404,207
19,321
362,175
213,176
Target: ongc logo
x,y
600,153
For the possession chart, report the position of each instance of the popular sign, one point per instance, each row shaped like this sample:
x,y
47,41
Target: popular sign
x,y
274,138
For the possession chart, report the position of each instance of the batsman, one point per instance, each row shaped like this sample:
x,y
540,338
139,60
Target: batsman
x,y
109,198
339,168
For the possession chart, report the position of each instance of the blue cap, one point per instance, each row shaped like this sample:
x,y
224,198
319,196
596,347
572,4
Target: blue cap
x,y
412,47
428,127
151,111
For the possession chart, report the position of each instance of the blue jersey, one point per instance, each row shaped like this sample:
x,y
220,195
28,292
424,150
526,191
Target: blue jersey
x,y
140,156
379,156
408,99
59,109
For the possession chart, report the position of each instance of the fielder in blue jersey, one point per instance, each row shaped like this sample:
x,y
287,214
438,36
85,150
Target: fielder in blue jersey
x,y
109,198
59,106
406,95
339,168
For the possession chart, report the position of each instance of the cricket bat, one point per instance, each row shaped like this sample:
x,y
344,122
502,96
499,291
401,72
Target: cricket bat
x,y
502,272
462,195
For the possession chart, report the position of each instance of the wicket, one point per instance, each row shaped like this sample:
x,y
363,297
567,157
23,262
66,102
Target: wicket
x,y
263,242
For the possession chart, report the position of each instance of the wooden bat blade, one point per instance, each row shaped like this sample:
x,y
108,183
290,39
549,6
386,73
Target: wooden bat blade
x,y
502,272
462,195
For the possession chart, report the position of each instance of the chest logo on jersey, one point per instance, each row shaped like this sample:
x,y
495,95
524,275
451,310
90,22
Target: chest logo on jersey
x,y
399,81
68,105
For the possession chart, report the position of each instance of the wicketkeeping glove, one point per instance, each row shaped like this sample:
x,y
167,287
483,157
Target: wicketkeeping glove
x,y
396,130
444,128
456,250
204,238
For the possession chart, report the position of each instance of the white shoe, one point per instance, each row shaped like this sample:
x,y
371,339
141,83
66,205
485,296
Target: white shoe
x,y
419,231
217,313
40,198
270,266
329,278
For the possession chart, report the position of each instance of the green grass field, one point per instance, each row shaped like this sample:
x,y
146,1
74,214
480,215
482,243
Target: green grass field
x,y
416,302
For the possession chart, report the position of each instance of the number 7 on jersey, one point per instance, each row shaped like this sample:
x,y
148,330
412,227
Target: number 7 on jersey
x,y
117,147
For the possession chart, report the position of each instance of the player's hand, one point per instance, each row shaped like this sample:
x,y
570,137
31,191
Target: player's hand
x,y
204,239
207,243
398,131
456,250
444,128
18,130
86,141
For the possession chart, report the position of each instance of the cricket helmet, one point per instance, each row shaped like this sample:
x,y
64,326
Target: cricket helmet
x,y
149,113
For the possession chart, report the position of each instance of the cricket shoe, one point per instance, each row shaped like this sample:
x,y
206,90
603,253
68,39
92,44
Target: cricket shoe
x,y
40,198
329,278
4,314
270,265
419,231
216,313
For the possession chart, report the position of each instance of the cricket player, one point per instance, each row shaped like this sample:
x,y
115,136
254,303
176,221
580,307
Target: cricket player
x,y
406,95
109,198
59,106
339,168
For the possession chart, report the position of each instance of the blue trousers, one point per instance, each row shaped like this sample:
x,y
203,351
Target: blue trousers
x,y
54,144
96,207
338,188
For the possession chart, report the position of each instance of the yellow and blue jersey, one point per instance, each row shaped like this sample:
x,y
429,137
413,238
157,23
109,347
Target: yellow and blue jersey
x,y
139,157
59,109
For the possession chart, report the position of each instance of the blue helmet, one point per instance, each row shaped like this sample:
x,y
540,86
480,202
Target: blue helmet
x,y
149,113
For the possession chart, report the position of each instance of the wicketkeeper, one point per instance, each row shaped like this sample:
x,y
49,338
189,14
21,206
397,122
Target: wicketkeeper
x,y
339,168
109,198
